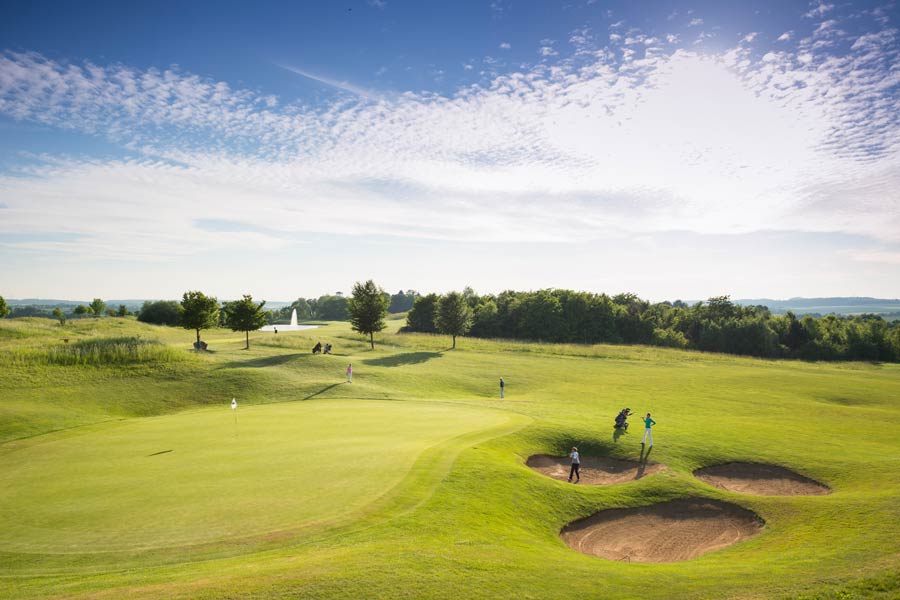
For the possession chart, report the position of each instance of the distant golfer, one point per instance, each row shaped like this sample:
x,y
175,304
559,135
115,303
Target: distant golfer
x,y
576,464
502,386
350,373
648,433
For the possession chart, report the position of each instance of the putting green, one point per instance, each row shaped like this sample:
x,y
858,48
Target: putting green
x,y
199,477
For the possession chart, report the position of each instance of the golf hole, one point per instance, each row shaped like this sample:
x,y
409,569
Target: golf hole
x,y
760,480
667,532
595,470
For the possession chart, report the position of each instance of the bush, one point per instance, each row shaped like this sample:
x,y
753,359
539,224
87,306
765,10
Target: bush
x,y
161,312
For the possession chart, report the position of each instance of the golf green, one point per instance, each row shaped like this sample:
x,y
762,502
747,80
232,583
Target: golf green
x,y
210,475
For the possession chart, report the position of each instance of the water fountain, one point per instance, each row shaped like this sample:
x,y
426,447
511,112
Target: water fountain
x,y
292,327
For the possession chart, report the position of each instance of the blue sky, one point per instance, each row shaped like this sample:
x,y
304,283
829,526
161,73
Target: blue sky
x,y
672,149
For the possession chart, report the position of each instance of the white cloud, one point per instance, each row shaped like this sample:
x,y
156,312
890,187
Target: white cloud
x,y
657,141
784,37
505,46
695,22
818,9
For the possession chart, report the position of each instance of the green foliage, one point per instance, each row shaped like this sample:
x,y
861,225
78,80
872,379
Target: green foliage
x,y
303,308
4,309
717,325
421,316
199,312
454,317
81,310
331,308
368,308
123,311
97,307
402,301
161,312
244,315
59,315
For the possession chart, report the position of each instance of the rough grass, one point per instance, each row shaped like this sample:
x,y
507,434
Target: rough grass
x,y
115,351
469,519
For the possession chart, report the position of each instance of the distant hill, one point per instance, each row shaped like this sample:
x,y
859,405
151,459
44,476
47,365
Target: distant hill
x,y
822,306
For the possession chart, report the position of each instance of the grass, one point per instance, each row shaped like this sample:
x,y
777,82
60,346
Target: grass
x,y
410,482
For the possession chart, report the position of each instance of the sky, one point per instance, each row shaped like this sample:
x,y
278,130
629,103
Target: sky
x,y
289,149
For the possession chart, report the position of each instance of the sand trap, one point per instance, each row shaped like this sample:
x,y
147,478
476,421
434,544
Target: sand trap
x,y
595,470
667,532
760,480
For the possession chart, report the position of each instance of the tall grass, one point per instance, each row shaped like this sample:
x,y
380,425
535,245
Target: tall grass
x,y
97,352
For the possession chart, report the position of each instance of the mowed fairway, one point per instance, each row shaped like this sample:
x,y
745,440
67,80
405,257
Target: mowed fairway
x,y
205,476
132,479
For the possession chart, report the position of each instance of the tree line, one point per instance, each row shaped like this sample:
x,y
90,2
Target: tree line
x,y
717,325
552,315
335,307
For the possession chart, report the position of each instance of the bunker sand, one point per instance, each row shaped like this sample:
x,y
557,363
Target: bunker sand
x,y
595,470
760,480
667,532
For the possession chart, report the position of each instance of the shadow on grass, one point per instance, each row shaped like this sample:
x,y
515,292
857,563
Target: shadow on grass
x,y
266,361
617,433
645,456
397,360
322,391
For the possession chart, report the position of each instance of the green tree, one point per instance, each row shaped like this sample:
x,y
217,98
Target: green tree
x,y
245,315
200,312
421,316
81,310
97,306
402,301
4,309
454,316
161,312
367,308
123,311
303,308
59,315
331,308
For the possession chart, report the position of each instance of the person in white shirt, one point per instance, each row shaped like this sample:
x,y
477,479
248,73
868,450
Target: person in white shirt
x,y
576,463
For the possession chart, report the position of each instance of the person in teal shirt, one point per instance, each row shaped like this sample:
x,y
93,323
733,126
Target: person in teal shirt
x,y
648,433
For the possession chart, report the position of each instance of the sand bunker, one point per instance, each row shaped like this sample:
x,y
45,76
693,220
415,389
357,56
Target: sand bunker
x,y
760,480
595,470
667,532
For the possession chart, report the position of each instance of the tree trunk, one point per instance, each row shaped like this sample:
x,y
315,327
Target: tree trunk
x,y
372,340
454,342
247,347
198,339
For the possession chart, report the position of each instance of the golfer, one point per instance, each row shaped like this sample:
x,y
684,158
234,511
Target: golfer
x,y
350,373
576,464
648,434
502,385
